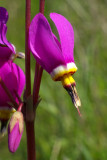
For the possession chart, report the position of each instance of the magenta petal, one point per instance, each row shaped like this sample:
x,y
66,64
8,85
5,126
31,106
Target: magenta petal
x,y
6,48
5,41
3,15
56,40
14,79
18,72
5,53
10,81
43,45
66,35
3,30
14,138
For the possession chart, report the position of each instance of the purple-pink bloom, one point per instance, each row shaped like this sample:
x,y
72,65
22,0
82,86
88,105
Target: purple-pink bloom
x,y
14,79
57,58
6,48
11,74
15,130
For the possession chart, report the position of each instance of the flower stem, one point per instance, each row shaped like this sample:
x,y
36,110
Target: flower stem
x,y
31,153
8,93
41,10
37,87
27,50
18,97
35,83
20,107
42,5
30,140
38,68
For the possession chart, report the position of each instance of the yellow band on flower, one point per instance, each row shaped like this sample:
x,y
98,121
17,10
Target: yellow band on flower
x,y
60,71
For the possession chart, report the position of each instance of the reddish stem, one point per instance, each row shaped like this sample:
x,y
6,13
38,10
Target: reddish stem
x,y
8,93
27,50
30,140
29,125
20,107
41,10
35,82
42,4
38,70
18,97
37,87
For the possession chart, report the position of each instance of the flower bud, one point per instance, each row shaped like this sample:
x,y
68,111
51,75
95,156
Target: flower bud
x,y
15,130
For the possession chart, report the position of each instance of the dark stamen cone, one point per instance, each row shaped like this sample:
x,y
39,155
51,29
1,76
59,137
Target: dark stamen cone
x,y
3,126
74,96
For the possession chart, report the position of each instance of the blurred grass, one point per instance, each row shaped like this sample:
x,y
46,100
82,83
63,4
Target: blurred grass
x,y
60,133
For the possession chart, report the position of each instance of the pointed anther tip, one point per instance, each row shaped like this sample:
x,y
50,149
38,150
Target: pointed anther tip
x,y
3,129
74,97
79,112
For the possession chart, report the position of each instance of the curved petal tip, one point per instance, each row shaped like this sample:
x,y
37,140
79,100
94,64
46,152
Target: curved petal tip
x,y
3,15
66,34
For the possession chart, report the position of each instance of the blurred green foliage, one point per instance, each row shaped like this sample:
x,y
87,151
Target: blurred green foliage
x,y
60,133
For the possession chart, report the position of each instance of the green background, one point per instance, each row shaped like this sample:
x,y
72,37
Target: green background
x,y
60,133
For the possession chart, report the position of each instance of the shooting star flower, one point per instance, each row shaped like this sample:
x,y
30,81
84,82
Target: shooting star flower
x,y
55,57
10,73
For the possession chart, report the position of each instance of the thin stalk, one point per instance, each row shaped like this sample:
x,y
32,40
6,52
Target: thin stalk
x,y
35,82
39,69
42,5
41,10
30,133
37,87
27,50
8,93
20,107
18,97
31,152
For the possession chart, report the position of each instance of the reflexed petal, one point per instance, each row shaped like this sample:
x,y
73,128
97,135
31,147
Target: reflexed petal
x,y
43,45
66,35
20,77
14,79
5,53
7,49
3,15
56,40
10,81
5,42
